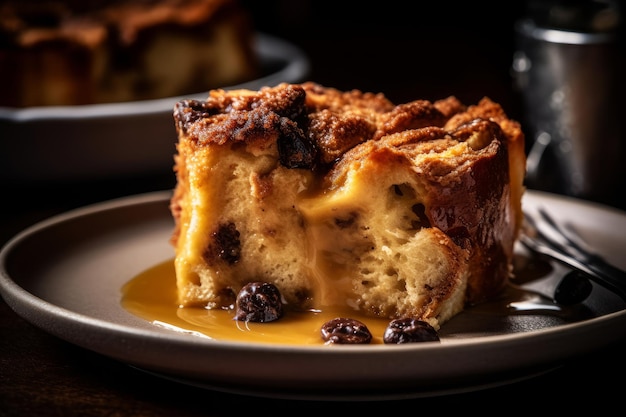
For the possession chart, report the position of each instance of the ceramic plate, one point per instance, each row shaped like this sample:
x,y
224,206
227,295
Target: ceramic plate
x,y
65,276
117,140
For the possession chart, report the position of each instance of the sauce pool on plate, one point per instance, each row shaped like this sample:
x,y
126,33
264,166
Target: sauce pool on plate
x,y
152,296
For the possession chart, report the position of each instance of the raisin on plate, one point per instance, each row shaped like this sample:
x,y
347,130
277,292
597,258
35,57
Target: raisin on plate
x,y
259,302
409,330
345,331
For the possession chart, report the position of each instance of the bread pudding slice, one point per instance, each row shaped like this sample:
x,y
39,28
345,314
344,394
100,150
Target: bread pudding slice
x,y
345,199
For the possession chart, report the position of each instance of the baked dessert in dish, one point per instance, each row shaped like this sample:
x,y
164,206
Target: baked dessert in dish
x,y
73,52
345,198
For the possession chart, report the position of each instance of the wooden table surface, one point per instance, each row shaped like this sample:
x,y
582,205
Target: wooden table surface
x,y
405,54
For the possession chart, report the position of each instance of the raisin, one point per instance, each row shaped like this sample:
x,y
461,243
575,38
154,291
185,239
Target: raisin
x,y
409,330
295,150
259,302
345,331
187,112
574,288
226,243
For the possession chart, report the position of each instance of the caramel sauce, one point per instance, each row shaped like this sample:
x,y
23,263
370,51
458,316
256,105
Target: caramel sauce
x,y
152,296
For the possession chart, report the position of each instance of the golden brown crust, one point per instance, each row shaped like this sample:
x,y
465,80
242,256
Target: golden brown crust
x,y
407,209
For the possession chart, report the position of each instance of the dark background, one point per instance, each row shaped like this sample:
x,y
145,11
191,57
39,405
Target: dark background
x,y
407,50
